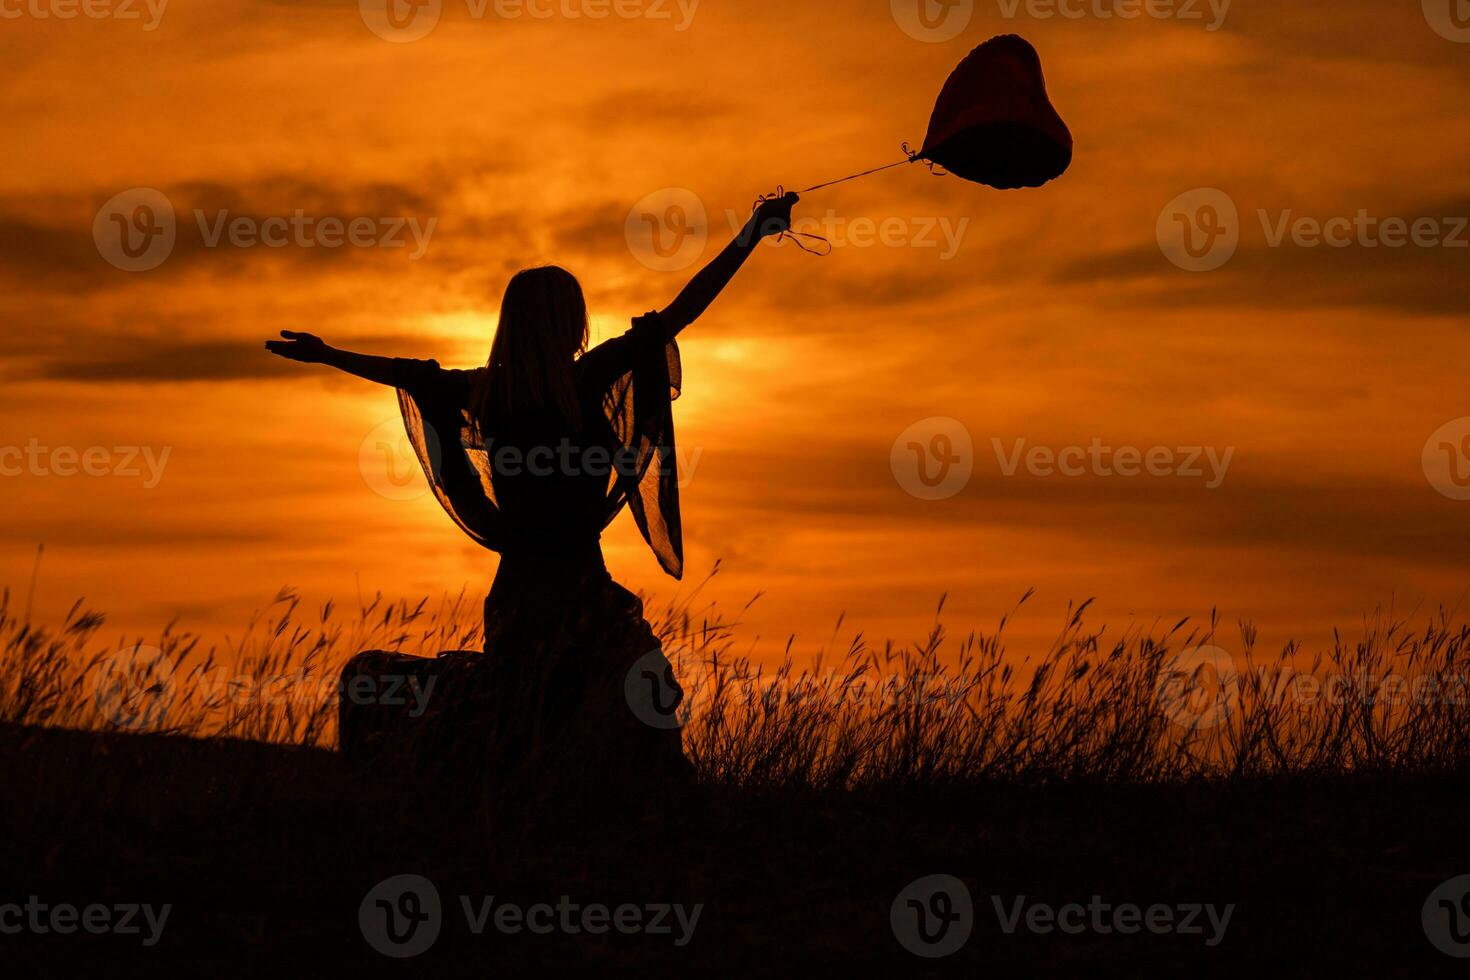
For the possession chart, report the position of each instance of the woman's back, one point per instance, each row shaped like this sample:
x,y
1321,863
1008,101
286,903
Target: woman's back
x,y
551,477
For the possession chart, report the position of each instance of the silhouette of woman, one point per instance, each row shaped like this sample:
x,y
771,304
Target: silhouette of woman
x,y
533,455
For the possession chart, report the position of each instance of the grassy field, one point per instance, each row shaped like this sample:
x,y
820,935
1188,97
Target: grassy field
x,y
1160,802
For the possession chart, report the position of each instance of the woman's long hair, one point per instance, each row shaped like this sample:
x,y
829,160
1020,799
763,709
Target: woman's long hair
x,y
543,327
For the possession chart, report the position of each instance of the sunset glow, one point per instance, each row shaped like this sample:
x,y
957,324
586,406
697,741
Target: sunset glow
x,y
1044,318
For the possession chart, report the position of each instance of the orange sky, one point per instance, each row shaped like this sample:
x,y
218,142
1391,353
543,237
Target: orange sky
x,y
1048,316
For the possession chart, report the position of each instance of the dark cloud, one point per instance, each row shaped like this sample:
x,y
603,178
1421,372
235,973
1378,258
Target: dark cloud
x,y
1408,279
650,107
1263,504
1345,30
142,359
48,243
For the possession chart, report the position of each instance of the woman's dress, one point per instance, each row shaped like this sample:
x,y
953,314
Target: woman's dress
x,y
550,694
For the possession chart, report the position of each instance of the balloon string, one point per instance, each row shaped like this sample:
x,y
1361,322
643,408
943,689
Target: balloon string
x,y
910,156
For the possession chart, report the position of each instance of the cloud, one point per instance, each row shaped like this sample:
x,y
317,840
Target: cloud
x,y
1265,503
47,243
1427,281
144,359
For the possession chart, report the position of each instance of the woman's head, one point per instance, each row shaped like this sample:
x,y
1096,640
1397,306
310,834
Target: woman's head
x,y
543,327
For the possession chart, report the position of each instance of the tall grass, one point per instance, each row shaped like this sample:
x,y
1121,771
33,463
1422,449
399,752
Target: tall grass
x,y
1142,707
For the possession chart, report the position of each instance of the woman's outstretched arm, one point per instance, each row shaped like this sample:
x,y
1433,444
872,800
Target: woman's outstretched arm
x,y
771,218
310,349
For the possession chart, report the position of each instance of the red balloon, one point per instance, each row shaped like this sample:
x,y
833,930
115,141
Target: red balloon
x,y
994,123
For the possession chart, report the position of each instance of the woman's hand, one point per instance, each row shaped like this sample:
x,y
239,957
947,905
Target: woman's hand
x,y
774,216
304,347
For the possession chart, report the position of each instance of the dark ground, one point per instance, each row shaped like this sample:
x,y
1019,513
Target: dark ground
x,y
266,854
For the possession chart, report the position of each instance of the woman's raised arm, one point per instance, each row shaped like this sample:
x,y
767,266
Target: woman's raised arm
x,y
771,218
310,349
